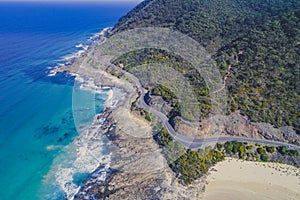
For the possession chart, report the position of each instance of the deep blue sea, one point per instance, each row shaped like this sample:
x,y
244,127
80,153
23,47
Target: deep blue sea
x,y
36,111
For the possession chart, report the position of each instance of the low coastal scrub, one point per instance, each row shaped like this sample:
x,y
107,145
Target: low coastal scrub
x,y
134,59
190,165
145,113
186,163
248,151
114,72
165,92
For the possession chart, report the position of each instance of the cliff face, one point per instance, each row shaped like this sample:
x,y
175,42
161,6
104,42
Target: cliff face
x,y
254,43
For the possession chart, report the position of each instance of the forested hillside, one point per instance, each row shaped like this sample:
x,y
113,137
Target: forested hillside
x,y
257,41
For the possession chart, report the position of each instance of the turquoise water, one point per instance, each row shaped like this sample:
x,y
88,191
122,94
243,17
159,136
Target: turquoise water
x,y
36,112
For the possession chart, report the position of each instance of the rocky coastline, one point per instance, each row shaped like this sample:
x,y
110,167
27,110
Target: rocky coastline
x,y
137,168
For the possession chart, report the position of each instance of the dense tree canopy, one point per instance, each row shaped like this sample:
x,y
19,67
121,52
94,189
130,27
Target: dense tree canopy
x,y
257,41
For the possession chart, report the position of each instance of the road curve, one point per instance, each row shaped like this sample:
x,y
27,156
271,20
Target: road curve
x,y
193,143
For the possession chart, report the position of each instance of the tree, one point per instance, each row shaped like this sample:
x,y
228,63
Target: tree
x,y
264,157
261,150
293,153
257,38
241,155
219,146
270,149
282,150
228,147
163,137
249,147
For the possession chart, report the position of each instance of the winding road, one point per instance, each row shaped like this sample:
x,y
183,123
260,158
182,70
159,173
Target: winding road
x,y
193,143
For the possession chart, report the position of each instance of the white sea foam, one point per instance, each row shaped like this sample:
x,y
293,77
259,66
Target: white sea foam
x,y
82,46
79,45
53,147
99,36
85,153
83,50
52,73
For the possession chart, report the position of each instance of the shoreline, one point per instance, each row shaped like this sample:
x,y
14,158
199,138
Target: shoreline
x,y
129,145
101,123
83,50
125,144
89,152
99,130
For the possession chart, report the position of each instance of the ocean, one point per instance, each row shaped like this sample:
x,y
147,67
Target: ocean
x,y
37,127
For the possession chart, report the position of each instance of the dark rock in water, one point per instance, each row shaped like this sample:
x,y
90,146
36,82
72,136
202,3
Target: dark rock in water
x,y
95,185
46,130
67,135
64,121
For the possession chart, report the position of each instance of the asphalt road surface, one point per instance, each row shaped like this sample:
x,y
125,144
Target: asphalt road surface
x,y
194,143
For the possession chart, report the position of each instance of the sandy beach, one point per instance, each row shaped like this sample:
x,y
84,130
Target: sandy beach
x,y
237,179
141,167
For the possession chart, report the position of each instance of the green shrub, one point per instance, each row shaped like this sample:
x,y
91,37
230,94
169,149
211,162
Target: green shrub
x,y
293,153
186,163
147,116
163,137
261,150
249,147
270,149
219,146
283,150
264,157
241,155
228,147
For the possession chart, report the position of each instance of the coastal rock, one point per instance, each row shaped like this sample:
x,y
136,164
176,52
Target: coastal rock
x,y
137,170
236,124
